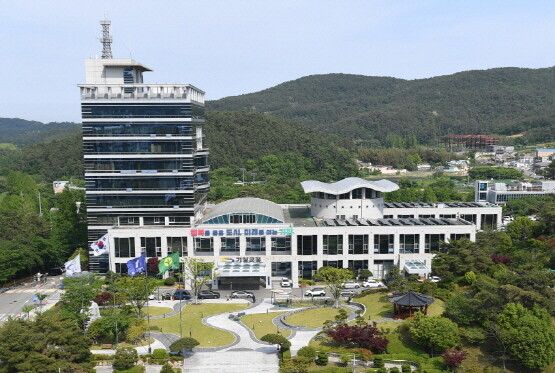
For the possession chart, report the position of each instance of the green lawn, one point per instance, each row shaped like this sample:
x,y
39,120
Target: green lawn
x,y
193,326
157,311
261,324
377,306
312,318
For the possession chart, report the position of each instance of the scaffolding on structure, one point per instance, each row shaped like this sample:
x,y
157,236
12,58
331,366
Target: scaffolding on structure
x,y
467,142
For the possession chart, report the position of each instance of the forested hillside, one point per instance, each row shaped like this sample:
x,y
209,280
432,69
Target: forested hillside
x,y
24,132
497,101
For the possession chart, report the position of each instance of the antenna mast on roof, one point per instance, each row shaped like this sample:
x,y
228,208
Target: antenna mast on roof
x,y
106,39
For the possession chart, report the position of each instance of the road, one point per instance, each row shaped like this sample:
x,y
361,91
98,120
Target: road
x,y
13,300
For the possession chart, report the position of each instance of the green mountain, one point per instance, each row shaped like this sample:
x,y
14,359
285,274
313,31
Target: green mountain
x,y
366,108
25,132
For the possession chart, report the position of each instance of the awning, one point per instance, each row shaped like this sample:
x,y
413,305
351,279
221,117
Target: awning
x,y
416,267
241,270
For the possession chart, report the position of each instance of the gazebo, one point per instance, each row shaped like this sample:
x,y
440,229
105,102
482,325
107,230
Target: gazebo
x,y
407,304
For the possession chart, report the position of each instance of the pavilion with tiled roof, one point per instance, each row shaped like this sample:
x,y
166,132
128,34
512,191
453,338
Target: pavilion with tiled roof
x,y
407,304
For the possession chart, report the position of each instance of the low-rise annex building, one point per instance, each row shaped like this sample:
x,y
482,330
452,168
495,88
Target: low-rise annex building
x,y
255,242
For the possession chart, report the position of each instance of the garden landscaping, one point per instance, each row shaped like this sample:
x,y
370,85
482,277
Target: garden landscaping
x,y
261,324
192,325
313,317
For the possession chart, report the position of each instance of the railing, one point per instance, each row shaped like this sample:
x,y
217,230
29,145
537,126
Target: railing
x,y
141,91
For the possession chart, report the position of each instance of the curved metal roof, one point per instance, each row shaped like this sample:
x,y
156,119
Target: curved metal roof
x,y
348,184
246,205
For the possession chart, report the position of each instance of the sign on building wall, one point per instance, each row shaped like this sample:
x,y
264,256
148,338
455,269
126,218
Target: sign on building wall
x,y
241,259
241,232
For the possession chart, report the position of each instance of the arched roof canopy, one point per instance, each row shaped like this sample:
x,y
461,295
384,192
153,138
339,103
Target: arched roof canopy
x,y
347,185
245,210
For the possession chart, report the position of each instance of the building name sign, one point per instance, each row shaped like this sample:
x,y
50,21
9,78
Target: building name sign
x,y
241,259
241,232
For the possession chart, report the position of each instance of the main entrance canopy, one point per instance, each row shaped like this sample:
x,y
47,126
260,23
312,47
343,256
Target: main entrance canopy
x,y
238,269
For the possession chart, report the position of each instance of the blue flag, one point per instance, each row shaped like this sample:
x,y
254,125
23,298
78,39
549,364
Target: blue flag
x,y
137,265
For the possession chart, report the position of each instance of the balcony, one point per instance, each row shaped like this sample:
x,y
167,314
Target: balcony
x,y
181,92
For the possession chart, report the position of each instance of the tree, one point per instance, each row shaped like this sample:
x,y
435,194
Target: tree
x,y
277,339
522,228
365,274
528,334
308,352
47,344
78,295
454,357
366,336
27,309
334,278
435,332
460,308
125,358
136,289
136,331
322,358
395,280
184,344
167,368
197,273
297,364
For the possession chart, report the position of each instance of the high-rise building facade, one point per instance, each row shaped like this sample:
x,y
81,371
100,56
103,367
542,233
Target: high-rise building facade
x,y
145,159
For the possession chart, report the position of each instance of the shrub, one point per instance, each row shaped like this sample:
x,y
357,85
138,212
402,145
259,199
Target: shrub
x,y
125,358
381,370
322,358
363,336
184,344
378,362
405,368
167,368
159,353
308,352
170,281
307,282
394,370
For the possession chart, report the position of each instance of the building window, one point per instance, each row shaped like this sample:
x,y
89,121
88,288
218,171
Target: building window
x,y
405,216
230,244
124,247
358,244
409,243
460,236
179,220
128,220
242,218
383,244
204,245
152,246
489,221
155,220
426,216
333,263
177,244
469,217
433,242
356,193
281,245
388,216
333,245
448,216
306,245
282,269
357,265
121,268
307,269
256,245
381,268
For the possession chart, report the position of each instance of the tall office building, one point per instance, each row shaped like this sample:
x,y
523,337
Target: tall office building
x,y
145,161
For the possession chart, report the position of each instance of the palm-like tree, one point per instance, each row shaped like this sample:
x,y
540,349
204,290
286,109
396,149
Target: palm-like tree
x,y
27,309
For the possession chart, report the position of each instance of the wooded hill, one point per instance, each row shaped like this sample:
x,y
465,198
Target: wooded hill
x,y
366,108
26,132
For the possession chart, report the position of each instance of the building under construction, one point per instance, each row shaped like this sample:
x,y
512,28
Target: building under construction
x,y
459,143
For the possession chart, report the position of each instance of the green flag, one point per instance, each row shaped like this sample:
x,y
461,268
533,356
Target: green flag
x,y
169,262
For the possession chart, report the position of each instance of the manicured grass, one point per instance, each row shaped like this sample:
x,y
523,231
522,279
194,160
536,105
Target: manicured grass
x,y
157,311
261,324
313,318
377,306
436,308
192,323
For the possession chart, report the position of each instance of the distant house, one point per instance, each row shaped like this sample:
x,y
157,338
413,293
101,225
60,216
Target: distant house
x,y
423,167
540,153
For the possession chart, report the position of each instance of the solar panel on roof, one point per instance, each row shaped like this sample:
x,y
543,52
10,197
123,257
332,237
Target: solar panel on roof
x,y
416,221
373,222
395,222
340,222
362,222
329,222
426,221
406,221
351,222
383,222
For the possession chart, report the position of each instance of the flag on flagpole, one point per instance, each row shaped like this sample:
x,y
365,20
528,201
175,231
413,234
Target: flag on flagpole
x,y
137,265
169,262
73,266
100,246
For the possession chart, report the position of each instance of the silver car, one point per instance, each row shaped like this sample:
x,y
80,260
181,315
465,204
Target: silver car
x,y
242,294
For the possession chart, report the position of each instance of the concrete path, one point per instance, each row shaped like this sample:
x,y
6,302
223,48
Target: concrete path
x,y
232,361
141,350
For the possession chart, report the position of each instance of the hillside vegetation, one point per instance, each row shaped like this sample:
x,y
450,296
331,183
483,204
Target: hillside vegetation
x,y
365,108
25,132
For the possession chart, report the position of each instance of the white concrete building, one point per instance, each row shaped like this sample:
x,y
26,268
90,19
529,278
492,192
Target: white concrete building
x,y
486,191
255,242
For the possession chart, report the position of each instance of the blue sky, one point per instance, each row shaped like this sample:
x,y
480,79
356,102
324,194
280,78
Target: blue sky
x,y
234,47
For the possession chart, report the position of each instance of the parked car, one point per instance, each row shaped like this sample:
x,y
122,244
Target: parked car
x,y
167,296
351,285
242,294
181,295
208,294
316,292
435,279
373,284
348,293
286,283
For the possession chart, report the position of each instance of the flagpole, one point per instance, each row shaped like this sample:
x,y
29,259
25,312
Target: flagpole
x,y
147,308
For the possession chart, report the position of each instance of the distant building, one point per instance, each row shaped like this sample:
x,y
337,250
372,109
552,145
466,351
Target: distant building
x,y
60,185
485,191
468,142
423,167
540,153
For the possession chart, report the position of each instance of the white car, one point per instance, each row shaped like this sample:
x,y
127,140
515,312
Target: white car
x,y
286,283
351,285
316,292
373,284
434,279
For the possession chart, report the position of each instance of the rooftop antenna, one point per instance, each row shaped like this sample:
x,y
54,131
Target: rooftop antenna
x,y
106,40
